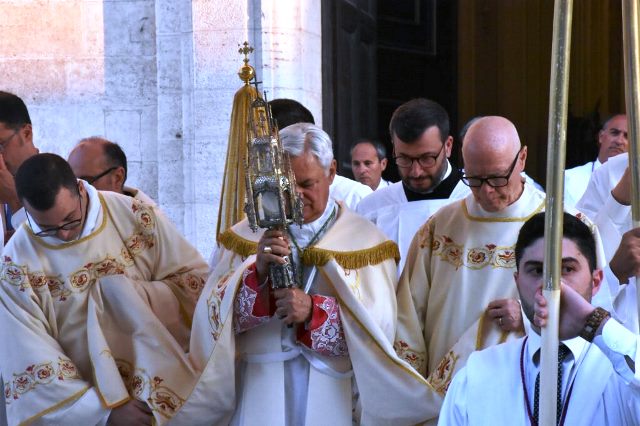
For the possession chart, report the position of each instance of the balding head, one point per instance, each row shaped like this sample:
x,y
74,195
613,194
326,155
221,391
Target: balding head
x,y
491,149
491,135
100,162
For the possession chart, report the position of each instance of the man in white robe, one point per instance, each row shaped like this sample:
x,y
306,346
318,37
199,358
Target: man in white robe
x,y
600,383
103,164
348,191
461,261
608,200
306,355
421,147
612,141
98,292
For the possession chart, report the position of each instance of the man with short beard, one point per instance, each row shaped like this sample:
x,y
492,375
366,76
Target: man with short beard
x,y
419,132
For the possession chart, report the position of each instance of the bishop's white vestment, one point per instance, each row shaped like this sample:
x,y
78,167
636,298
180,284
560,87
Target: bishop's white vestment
x,y
352,370
460,260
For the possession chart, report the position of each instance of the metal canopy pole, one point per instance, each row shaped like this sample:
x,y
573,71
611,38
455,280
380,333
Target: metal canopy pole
x,y
631,86
559,87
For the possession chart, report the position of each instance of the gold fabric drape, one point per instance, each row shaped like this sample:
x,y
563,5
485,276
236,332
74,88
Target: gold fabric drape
x,y
232,196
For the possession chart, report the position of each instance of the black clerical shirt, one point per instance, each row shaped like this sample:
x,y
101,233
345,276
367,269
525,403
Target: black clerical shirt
x,y
443,190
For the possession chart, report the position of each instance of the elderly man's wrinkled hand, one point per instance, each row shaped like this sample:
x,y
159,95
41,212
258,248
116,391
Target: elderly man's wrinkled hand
x,y
507,314
293,306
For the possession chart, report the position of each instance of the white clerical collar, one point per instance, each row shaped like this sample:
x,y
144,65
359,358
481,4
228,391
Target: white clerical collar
x,y
303,234
575,345
93,219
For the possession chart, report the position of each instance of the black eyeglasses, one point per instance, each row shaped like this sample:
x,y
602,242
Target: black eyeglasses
x,y
91,179
425,160
492,181
72,224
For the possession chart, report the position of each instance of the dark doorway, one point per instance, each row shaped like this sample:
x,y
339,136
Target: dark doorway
x,y
378,55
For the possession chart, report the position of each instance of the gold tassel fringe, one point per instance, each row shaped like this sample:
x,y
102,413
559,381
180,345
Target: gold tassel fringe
x,y
232,241
317,256
353,259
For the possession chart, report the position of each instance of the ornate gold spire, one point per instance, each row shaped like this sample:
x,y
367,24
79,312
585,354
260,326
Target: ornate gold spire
x,y
232,195
246,72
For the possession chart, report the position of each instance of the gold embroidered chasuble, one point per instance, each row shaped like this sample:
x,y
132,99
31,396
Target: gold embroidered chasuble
x,y
356,265
461,259
112,310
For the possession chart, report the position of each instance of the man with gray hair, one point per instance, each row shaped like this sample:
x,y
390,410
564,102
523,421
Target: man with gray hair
x,y
323,343
103,164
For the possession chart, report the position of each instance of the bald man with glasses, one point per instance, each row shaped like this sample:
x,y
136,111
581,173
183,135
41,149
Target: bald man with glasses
x,y
456,293
103,164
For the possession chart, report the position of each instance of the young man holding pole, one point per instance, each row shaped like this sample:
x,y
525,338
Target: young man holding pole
x,y
598,381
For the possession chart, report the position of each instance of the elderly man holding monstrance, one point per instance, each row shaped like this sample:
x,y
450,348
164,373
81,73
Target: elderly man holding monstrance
x,y
307,353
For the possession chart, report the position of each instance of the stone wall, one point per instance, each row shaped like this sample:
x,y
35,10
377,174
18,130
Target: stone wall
x,y
158,77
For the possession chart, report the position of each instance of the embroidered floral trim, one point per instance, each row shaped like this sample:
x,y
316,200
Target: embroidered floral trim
x,y
475,257
39,374
144,238
244,304
143,387
85,277
14,274
328,339
418,360
55,285
144,216
188,281
440,378
139,242
424,234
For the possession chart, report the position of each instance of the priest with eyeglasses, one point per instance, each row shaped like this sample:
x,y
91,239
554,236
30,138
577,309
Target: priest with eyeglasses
x,y
456,291
97,290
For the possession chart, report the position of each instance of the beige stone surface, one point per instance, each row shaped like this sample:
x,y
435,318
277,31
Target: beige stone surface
x,y
158,77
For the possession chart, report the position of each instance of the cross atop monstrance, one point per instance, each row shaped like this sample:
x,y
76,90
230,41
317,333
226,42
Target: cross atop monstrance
x,y
246,72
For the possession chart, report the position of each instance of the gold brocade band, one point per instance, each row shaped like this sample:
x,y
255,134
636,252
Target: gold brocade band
x,y
318,256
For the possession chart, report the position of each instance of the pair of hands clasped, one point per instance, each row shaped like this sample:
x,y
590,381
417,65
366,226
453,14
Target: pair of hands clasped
x,y
293,306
